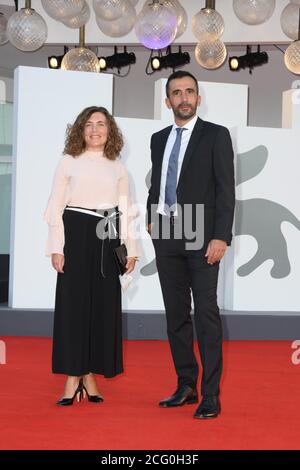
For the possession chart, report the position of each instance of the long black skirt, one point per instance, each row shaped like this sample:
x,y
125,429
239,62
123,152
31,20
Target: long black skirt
x,y
87,335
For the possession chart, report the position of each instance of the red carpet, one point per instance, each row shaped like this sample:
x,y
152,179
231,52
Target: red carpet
x,y
260,402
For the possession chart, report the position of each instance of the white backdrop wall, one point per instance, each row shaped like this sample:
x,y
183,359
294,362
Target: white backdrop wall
x,y
45,102
265,255
267,166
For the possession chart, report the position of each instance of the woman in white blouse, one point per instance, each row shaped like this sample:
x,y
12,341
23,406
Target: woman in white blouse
x,y
88,214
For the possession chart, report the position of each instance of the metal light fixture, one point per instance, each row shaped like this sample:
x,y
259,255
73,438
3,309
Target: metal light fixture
x,y
118,60
208,20
26,29
156,25
171,60
292,54
249,60
81,58
253,12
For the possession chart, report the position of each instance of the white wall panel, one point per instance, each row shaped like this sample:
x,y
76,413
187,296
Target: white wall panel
x,y
267,169
45,102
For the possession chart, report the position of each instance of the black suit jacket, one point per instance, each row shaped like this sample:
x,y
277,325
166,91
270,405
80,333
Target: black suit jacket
x,y
207,177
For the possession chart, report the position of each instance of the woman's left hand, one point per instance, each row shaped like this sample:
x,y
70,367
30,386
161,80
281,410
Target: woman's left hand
x,y
130,265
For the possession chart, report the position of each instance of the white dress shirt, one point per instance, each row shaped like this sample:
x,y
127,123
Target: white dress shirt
x,y
186,135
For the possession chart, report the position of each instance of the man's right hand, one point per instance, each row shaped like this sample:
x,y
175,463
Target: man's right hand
x,y
58,262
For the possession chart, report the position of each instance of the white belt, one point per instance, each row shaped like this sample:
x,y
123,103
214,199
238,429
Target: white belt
x,y
111,225
108,221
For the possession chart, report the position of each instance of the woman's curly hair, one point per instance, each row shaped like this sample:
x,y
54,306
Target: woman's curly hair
x,y
75,143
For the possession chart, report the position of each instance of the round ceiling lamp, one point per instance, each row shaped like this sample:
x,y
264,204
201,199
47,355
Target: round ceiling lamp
x,y
80,58
292,53
289,20
26,29
75,22
182,18
110,10
210,52
156,25
292,57
3,27
253,12
208,20
62,9
119,27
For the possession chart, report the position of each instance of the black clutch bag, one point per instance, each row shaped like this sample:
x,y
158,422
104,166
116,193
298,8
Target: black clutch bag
x,y
120,256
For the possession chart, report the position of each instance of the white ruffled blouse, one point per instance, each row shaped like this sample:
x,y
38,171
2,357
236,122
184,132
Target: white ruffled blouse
x,y
91,181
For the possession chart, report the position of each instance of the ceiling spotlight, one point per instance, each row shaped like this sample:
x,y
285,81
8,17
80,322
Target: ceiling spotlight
x,y
171,60
117,60
249,60
54,61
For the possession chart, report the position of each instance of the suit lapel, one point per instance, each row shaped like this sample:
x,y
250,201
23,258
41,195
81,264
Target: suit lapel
x,y
193,142
161,150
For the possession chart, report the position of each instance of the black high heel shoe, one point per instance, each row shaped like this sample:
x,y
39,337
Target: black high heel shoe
x,y
92,398
78,393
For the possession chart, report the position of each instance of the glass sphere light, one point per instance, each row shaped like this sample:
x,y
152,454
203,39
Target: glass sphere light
x,y
3,27
156,26
62,9
182,21
119,27
110,9
253,11
289,20
79,20
182,18
26,30
80,59
207,21
292,57
210,52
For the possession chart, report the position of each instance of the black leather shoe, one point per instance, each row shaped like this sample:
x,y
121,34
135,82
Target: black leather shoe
x,y
183,395
210,407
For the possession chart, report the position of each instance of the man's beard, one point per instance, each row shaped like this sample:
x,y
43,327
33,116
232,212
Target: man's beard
x,y
185,114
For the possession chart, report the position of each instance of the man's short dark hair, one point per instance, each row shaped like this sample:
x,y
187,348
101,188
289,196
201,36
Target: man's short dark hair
x,y
180,74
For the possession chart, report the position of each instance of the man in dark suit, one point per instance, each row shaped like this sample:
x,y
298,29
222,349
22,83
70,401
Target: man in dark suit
x,y
191,192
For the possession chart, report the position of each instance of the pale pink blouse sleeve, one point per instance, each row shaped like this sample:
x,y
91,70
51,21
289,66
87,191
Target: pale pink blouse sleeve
x,y
56,204
128,214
